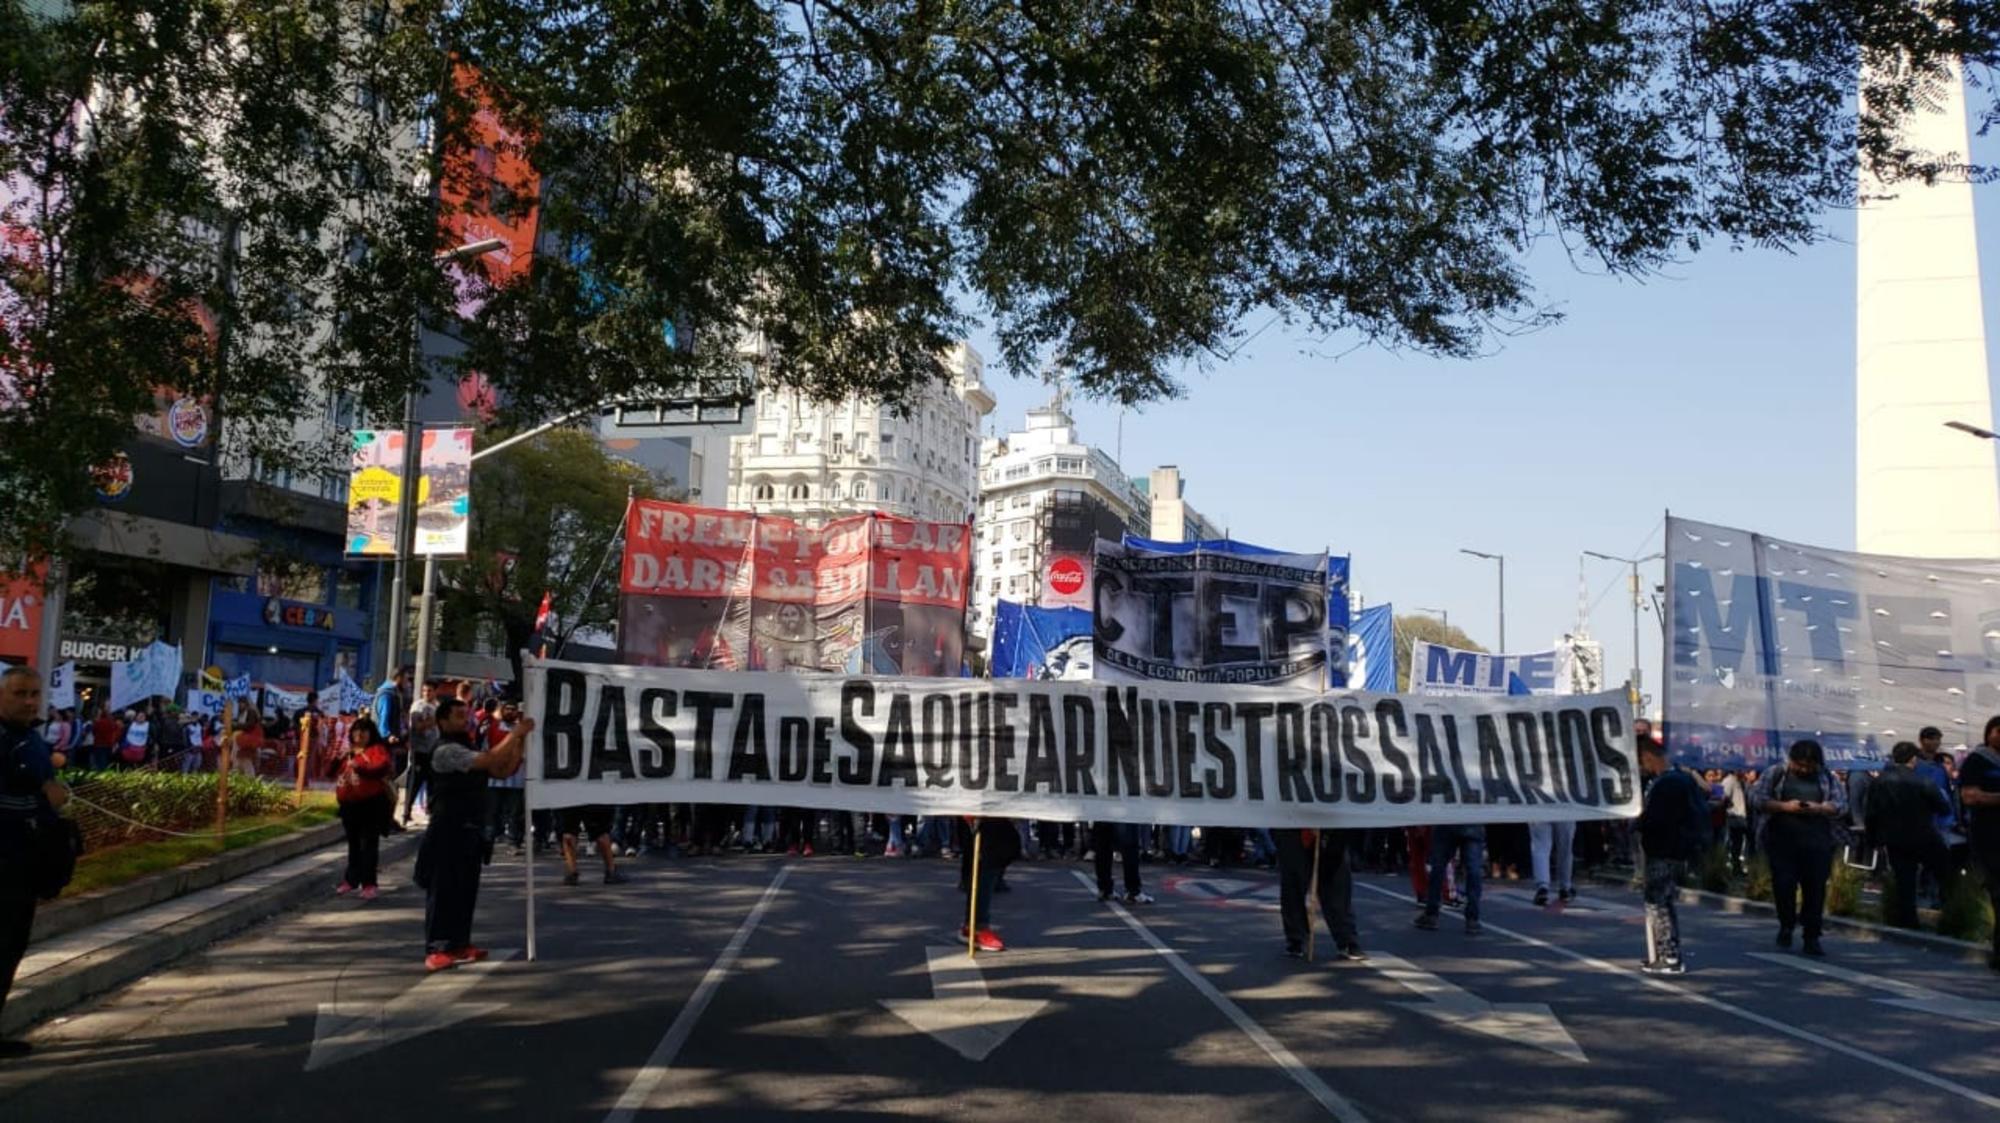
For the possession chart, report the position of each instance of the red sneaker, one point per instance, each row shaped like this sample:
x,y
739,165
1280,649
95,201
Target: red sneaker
x,y
807,851
791,851
439,961
468,954
989,940
343,889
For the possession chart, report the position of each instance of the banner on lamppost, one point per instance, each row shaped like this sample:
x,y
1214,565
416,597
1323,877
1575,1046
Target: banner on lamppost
x,y
444,492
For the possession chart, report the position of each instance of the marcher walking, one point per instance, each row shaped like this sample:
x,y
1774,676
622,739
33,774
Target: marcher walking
x,y
1901,815
1105,836
1800,801
1447,842
1297,851
1552,848
1673,831
1979,791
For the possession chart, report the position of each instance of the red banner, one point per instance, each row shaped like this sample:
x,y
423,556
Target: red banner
x,y
725,589
20,616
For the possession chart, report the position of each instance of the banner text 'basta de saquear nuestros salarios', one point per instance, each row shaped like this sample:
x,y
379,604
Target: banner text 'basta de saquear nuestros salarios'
x,y
1203,755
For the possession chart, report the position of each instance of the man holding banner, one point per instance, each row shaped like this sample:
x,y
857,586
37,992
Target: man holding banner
x,y
448,864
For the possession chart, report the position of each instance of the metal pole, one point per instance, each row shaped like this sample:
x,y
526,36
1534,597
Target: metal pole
x,y
1635,637
426,608
406,530
1503,604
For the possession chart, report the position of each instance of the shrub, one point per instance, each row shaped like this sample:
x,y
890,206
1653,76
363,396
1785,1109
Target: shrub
x,y
170,801
1966,913
1715,875
1757,886
1843,890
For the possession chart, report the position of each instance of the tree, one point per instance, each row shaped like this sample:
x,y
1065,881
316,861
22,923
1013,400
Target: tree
x,y
546,516
850,183
1410,629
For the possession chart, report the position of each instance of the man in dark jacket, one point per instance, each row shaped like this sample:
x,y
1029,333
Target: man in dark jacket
x,y
29,790
1902,814
1672,828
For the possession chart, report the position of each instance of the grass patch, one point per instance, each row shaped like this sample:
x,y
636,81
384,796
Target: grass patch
x,y
117,865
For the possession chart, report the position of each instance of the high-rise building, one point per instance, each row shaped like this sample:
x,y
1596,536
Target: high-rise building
x,y
1045,498
1920,361
817,461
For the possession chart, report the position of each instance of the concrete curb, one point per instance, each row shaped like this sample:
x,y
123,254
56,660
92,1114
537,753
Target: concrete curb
x,y
68,914
51,992
1741,906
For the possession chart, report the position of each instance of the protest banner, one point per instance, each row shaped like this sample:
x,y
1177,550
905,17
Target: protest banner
x,y
703,587
1371,650
1774,641
1166,753
1220,611
1032,642
1440,671
153,671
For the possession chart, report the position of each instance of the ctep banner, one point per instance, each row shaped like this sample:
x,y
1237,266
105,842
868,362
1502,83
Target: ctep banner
x,y
1438,670
1149,753
1775,641
1221,612
728,590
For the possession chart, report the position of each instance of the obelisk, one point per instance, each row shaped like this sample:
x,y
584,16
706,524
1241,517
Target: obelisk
x,y
1921,489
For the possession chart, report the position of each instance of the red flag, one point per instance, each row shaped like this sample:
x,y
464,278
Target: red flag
x,y
542,613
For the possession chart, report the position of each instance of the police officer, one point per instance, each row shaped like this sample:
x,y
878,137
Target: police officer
x,y
1335,890
28,789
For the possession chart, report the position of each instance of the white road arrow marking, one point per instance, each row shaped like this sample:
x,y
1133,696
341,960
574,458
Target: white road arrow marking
x,y
434,1003
959,1013
1908,995
1529,1023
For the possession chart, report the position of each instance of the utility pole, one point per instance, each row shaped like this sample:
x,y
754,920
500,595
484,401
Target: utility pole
x,y
1502,559
1638,600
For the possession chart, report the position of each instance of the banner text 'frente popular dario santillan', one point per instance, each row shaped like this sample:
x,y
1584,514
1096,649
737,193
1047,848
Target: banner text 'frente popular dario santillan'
x,y
1200,755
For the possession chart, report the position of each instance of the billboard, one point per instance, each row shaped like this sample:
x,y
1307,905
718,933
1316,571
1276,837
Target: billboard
x,y
726,590
1066,581
20,617
1774,641
444,492
1436,669
489,189
1217,611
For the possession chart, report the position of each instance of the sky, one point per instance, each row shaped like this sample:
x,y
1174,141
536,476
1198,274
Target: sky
x,y
1722,390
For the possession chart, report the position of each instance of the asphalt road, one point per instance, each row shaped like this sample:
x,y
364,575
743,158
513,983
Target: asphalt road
x,y
754,988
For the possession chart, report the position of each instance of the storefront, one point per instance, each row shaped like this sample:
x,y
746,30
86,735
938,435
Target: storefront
x,y
296,645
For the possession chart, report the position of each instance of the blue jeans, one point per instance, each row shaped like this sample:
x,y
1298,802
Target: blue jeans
x,y
1180,840
759,824
1446,842
895,832
1262,849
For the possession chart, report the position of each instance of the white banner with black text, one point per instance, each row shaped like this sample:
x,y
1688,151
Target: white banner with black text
x,y
1196,755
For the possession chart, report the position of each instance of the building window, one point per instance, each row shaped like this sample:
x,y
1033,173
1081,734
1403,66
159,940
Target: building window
x,y
799,491
833,490
885,492
836,447
764,492
1017,472
860,487
888,444
1021,556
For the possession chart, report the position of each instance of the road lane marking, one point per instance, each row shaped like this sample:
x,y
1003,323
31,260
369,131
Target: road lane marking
x,y
1909,996
647,1079
1526,1023
1811,1038
436,1001
1335,1104
960,1014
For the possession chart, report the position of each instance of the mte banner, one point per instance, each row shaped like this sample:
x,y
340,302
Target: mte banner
x,y
1775,641
1148,753
1220,612
1438,670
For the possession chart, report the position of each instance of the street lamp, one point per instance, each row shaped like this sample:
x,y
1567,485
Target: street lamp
x,y
1968,427
1502,559
413,439
1638,599
1440,613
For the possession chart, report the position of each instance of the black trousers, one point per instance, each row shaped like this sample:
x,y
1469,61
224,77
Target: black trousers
x,y
1903,863
1799,872
418,777
1335,889
17,916
454,888
362,820
999,844
1124,838
1989,864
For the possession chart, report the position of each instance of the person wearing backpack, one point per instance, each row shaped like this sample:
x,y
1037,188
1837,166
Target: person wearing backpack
x,y
1800,801
1673,831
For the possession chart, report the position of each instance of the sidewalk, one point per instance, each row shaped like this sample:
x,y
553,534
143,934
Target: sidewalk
x,y
61,971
